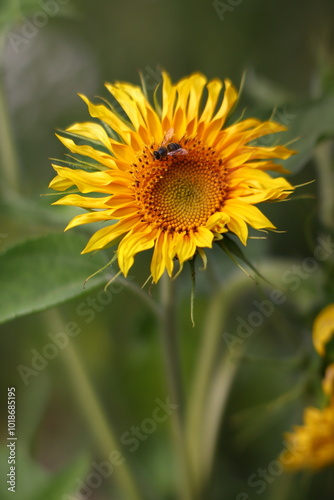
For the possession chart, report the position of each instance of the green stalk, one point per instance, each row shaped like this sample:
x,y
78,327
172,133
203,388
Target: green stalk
x,y
8,157
325,168
202,381
170,348
100,427
216,402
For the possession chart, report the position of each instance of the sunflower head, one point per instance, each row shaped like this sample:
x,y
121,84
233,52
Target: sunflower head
x,y
170,175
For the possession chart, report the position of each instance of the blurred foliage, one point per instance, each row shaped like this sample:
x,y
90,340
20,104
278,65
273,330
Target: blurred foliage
x,y
14,12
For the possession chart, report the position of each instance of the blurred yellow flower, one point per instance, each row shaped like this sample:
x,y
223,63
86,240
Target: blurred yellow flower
x,y
323,328
174,176
312,445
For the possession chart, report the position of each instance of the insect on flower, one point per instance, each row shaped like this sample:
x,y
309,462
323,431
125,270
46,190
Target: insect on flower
x,y
169,148
146,202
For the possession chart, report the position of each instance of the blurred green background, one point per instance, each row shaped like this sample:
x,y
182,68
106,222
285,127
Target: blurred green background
x,y
286,49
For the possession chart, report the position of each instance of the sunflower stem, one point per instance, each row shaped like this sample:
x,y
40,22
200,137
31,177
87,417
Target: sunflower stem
x,y
100,427
8,157
193,288
325,168
174,383
204,377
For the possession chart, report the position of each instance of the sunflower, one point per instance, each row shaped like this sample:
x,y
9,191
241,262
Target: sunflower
x,y
311,445
206,181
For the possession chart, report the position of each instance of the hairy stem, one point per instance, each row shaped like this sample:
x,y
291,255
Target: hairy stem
x,y
170,348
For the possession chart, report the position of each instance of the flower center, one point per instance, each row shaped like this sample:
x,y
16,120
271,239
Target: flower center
x,y
180,192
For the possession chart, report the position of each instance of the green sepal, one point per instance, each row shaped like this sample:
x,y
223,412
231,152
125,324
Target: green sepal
x,y
233,250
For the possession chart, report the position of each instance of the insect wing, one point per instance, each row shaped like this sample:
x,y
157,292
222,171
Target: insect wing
x,y
168,136
179,151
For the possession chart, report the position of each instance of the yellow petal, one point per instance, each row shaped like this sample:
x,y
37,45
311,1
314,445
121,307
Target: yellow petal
x,y
168,101
121,200
219,119
264,128
131,244
230,98
105,236
239,227
77,200
266,165
59,183
158,264
203,237
154,125
87,182
214,88
91,131
197,83
123,152
185,246
239,128
323,329
107,116
89,151
259,153
217,222
88,218
189,91
120,213
168,250
250,214
128,102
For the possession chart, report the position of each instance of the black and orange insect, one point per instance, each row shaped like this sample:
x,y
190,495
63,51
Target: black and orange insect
x,y
169,148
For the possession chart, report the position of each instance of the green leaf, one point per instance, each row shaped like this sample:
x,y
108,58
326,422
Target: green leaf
x,y
44,272
309,123
265,91
63,485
